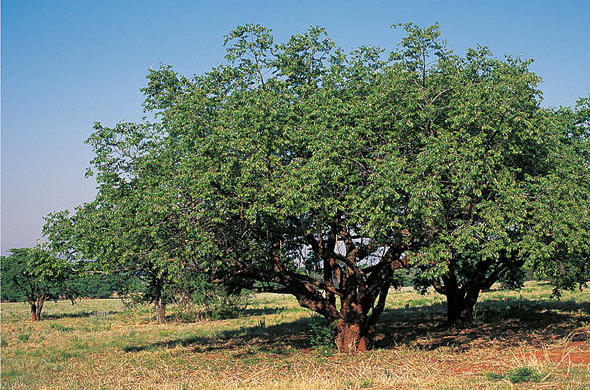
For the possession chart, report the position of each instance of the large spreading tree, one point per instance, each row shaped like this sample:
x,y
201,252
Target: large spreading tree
x,y
319,173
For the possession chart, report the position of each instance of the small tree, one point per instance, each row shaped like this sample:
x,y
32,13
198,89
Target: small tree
x,y
111,235
38,276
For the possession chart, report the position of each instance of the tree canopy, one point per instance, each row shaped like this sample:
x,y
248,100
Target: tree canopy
x,y
299,168
34,275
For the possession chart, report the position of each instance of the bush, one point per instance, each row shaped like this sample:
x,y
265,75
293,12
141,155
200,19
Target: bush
x,y
321,335
211,302
217,303
524,374
517,375
494,376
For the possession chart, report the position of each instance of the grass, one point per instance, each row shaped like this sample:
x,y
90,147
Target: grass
x,y
521,339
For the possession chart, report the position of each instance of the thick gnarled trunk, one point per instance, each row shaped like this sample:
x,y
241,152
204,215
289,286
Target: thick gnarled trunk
x,y
462,285
353,337
350,295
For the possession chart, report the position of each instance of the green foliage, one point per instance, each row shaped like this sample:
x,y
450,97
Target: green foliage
x,y
562,209
23,278
492,376
517,375
33,274
198,299
216,302
321,335
316,172
98,285
524,374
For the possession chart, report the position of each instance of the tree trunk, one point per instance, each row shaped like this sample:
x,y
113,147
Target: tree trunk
x,y
351,338
35,315
39,308
36,308
460,306
160,311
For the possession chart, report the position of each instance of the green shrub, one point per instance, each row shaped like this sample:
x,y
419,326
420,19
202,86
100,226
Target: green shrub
x,y
517,375
494,376
322,336
524,374
211,303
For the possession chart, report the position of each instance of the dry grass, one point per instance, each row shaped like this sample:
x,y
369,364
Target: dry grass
x,y
99,344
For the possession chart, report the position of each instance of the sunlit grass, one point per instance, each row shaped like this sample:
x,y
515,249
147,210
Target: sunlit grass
x,y
102,344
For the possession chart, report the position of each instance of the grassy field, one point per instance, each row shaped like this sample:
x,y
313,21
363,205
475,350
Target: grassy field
x,y
99,344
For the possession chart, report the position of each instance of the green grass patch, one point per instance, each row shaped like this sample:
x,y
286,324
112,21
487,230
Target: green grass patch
x,y
517,375
24,336
493,376
60,327
524,374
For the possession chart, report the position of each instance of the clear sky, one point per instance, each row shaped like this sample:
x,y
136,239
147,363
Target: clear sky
x,y
68,64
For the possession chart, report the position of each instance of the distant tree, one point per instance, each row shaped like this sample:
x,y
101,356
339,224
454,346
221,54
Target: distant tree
x,y
123,231
34,275
76,234
94,285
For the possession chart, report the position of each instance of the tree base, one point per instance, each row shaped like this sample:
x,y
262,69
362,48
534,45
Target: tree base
x,y
161,313
36,312
460,307
350,338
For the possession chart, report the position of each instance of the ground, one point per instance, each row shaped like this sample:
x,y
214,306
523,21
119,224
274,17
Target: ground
x,y
101,344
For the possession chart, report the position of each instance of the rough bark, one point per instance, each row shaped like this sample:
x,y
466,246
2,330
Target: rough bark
x,y
461,298
160,311
346,293
36,308
352,337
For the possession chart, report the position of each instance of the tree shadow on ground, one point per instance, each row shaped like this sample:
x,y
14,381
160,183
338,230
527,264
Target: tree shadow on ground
x,y
248,312
501,322
80,314
251,311
274,338
504,323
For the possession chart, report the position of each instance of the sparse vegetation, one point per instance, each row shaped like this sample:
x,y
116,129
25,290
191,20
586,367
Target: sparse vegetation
x,y
519,335
517,375
524,374
322,336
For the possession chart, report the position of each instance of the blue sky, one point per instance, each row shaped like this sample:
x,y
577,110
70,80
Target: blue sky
x,y
68,64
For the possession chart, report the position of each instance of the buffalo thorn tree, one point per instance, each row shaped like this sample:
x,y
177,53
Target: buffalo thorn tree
x,y
37,276
319,173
